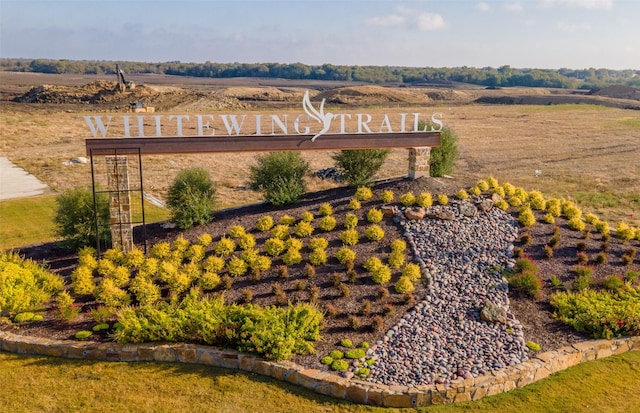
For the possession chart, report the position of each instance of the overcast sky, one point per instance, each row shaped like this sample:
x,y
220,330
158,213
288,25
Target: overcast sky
x,y
437,33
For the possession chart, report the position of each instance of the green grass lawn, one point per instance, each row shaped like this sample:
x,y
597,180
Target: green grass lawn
x,y
29,221
37,383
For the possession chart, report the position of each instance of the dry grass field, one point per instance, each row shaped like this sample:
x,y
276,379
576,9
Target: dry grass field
x,y
586,152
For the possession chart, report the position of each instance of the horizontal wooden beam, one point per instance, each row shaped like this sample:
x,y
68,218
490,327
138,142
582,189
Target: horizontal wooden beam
x,y
266,143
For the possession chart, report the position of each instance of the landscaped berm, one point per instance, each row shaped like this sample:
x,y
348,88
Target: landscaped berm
x,y
411,293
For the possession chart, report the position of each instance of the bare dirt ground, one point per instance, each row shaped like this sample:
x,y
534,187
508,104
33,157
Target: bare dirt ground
x,y
564,143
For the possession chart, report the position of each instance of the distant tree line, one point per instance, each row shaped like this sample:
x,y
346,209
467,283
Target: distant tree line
x,y
503,76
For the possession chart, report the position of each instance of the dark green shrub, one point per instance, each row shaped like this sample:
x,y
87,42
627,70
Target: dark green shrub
x,y
443,158
582,282
613,283
191,198
280,176
75,218
358,167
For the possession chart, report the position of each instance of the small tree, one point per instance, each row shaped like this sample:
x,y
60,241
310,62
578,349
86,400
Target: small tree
x,y
75,218
191,198
443,157
359,166
280,176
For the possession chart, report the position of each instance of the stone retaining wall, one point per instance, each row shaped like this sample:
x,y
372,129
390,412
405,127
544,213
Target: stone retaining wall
x,y
358,391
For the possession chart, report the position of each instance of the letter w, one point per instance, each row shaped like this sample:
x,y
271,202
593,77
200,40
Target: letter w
x,y
99,126
234,124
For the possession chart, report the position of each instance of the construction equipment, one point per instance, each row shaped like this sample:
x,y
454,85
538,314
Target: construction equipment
x,y
141,107
123,84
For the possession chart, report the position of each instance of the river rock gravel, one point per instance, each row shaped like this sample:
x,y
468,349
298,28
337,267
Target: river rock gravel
x,y
443,336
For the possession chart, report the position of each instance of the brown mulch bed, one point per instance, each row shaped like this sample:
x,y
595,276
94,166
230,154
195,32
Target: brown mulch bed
x,y
534,315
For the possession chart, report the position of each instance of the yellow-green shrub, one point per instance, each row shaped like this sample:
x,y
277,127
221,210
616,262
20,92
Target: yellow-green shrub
x,y
115,255
576,224
204,239
318,257
246,241
374,215
350,220
264,223
462,194
293,243
209,280
287,220
549,218
502,204
82,281
482,185
149,267
345,254
363,193
398,245
236,231
213,264
249,256
25,285
537,201
602,227
404,285
424,199
381,274
195,253
500,191
591,219
303,229
514,201
292,257
526,217
318,242
474,190
554,207
349,237
225,247
407,199
372,263
306,216
280,231
105,267
87,257
387,196
111,295
274,246
493,182
625,232
327,223
570,210
236,266
374,232
145,291
134,258
396,259
66,308
412,271
354,204
509,189
120,275
180,244
160,250
325,209
261,263
442,199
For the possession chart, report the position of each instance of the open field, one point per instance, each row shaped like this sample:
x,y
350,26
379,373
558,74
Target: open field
x,y
581,151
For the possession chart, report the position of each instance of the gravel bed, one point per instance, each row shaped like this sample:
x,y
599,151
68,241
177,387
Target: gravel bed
x,y
443,337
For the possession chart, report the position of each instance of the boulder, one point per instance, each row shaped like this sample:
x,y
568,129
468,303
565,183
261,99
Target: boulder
x,y
415,213
388,210
493,313
444,215
468,210
485,205
496,198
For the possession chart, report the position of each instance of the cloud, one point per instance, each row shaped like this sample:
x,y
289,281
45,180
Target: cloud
x,y
430,21
406,16
572,27
385,21
514,6
580,4
482,6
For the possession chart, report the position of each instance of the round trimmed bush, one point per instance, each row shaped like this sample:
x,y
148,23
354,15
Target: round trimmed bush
x,y
191,198
279,176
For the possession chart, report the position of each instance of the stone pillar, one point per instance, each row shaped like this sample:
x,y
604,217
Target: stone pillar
x,y
119,203
419,162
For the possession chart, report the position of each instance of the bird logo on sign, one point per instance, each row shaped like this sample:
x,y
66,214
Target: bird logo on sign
x,y
319,115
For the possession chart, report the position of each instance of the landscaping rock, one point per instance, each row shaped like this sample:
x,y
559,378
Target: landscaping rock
x,y
415,213
485,205
496,198
493,313
388,210
444,215
468,210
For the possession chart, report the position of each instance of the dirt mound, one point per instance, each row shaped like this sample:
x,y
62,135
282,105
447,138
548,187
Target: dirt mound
x,y
265,94
618,92
95,92
372,95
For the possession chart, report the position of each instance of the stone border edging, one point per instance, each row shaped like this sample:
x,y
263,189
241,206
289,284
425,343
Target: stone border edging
x,y
323,382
